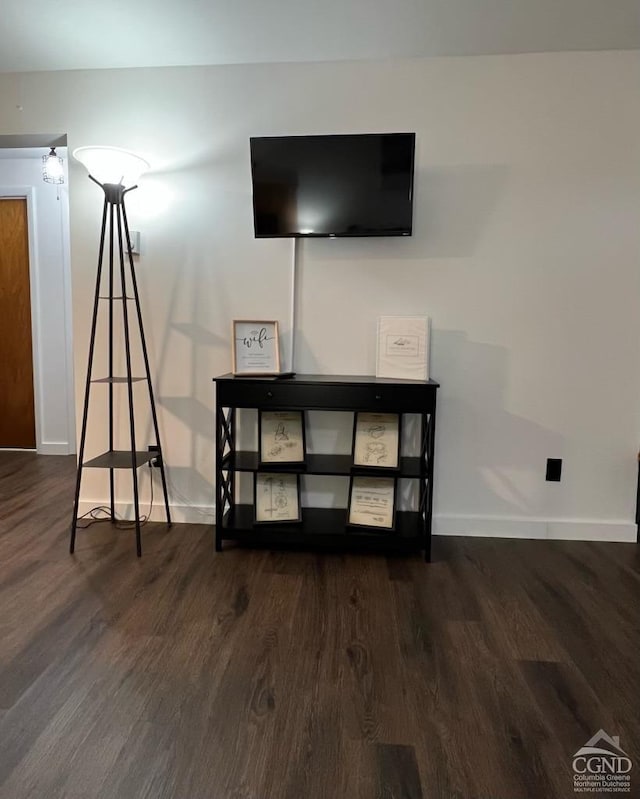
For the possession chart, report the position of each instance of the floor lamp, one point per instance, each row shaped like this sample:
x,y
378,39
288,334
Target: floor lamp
x,y
116,172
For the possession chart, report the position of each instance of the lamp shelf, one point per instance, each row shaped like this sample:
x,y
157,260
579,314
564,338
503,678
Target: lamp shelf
x,y
118,379
119,459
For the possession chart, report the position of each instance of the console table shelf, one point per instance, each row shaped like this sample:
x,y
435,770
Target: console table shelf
x,y
244,461
324,528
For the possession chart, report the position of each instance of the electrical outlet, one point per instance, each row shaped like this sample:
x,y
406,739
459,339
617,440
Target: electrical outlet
x,y
158,460
554,470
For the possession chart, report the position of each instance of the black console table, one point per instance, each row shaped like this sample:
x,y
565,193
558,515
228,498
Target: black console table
x,y
323,527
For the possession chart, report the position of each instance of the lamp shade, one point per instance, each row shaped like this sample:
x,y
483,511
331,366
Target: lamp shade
x,y
111,165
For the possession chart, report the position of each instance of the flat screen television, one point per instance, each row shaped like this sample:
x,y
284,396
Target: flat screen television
x,y
343,185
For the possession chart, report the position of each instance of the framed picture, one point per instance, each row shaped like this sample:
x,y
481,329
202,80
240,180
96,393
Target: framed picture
x,y
403,347
281,437
372,502
376,440
255,348
277,498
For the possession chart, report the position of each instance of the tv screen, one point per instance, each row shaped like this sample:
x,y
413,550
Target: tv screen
x,y
346,185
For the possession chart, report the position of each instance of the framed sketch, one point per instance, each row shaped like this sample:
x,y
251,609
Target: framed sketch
x,y
281,437
255,348
376,440
277,498
372,502
403,347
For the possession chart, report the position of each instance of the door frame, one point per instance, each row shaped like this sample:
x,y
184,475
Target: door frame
x,y
28,193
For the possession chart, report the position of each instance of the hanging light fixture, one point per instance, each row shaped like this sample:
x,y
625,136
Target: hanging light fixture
x,y
52,169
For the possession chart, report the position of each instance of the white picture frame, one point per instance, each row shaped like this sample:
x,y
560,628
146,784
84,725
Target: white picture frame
x,y
403,347
255,347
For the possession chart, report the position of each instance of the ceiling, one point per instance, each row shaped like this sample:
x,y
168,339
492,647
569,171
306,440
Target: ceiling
x,y
79,34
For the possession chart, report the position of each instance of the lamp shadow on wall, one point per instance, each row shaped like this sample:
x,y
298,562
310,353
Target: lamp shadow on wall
x,y
452,209
190,483
481,447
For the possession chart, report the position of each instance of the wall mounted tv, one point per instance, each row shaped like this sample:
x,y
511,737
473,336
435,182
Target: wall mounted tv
x,y
344,185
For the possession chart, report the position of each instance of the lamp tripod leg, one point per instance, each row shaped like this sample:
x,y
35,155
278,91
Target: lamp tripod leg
x,y
127,345
145,355
85,410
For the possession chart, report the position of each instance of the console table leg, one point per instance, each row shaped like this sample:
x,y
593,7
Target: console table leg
x,y
427,549
431,449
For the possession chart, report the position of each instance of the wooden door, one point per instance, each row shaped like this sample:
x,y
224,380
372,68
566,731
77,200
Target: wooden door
x,y
17,407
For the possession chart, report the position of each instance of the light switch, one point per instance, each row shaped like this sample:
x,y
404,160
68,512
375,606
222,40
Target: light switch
x,y
134,238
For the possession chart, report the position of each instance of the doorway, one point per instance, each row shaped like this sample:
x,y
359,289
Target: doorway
x,y
17,400
36,337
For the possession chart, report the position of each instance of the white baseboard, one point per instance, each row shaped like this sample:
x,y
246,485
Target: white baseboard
x,y
17,449
536,528
54,448
182,514
477,526
48,448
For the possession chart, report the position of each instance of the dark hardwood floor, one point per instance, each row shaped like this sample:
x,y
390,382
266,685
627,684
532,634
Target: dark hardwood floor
x,y
259,675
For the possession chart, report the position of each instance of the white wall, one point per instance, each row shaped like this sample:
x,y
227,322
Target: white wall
x,y
50,299
524,254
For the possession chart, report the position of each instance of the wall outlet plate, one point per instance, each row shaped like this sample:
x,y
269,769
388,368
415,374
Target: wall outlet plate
x,y
554,470
155,461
